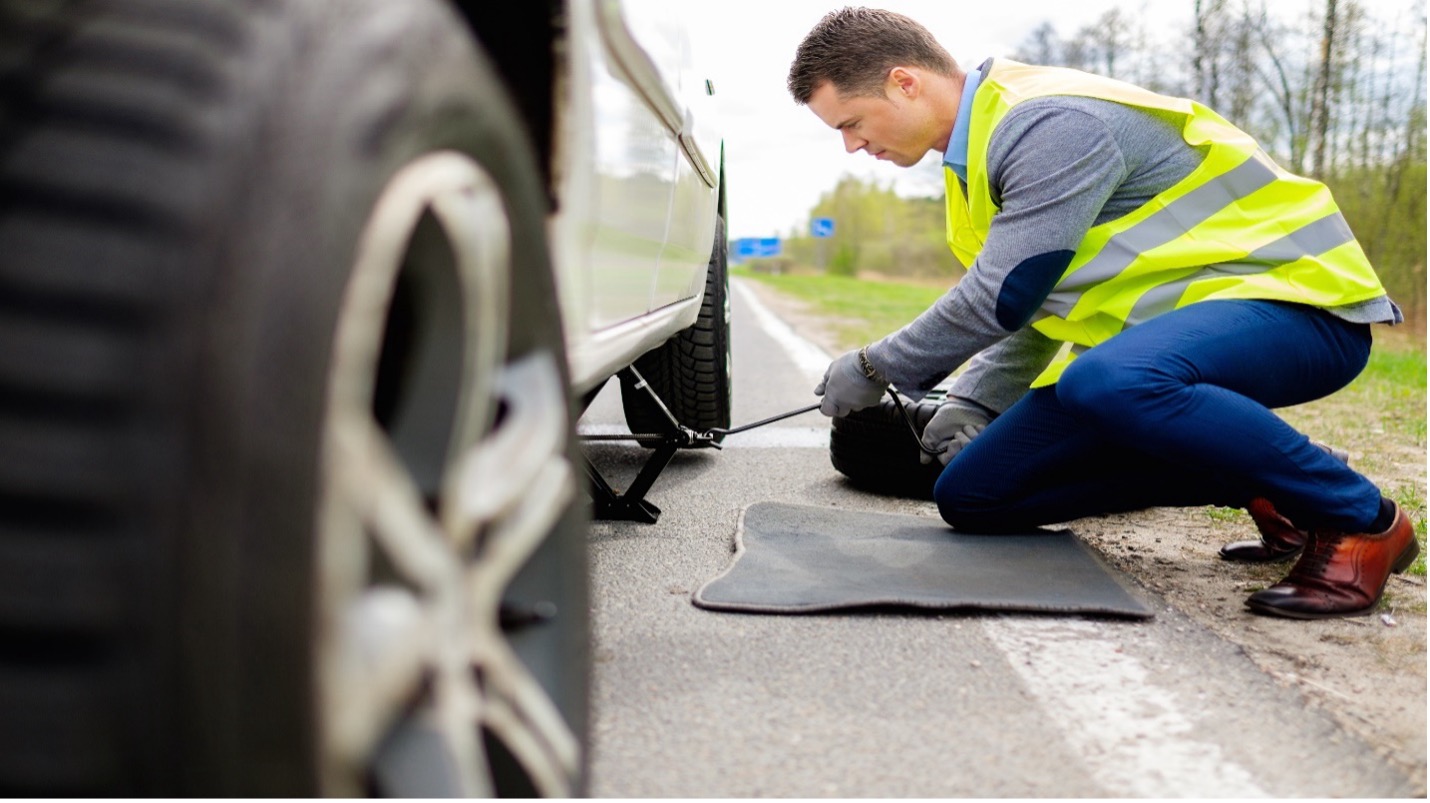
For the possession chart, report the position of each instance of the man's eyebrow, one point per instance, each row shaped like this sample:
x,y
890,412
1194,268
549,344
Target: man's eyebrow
x,y
846,123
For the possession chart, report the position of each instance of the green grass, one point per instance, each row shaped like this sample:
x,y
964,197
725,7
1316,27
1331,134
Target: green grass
x,y
1392,388
1226,515
860,311
1412,501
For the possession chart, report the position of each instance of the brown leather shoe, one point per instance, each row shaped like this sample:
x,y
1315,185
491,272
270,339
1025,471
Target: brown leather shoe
x,y
1340,574
1280,539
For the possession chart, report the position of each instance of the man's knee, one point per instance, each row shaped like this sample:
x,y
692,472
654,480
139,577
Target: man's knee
x,y
966,499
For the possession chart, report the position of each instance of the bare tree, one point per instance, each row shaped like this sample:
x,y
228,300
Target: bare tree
x,y
1080,52
1276,76
1110,34
1209,19
1042,46
1321,93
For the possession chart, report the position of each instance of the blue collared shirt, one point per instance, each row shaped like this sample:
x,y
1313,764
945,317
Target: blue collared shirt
x,y
956,156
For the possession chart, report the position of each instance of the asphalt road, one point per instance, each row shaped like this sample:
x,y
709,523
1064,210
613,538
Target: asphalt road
x,y
693,703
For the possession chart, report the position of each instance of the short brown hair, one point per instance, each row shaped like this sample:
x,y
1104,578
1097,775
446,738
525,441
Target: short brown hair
x,y
854,49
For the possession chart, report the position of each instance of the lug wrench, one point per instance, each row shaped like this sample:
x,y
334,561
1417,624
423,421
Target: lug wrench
x,y
632,504
898,403
707,437
782,416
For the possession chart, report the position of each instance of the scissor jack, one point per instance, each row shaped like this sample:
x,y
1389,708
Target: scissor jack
x,y
609,504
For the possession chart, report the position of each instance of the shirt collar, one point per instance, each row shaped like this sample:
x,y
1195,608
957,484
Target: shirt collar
x,y
956,157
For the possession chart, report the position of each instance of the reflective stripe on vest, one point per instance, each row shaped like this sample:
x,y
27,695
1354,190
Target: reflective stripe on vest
x,y
1239,226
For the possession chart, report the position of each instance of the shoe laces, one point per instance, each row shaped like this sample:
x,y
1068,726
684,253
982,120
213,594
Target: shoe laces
x,y
1320,548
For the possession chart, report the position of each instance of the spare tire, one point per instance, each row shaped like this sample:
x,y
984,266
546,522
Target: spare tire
x,y
875,450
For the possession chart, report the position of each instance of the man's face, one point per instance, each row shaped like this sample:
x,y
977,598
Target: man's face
x,y
895,127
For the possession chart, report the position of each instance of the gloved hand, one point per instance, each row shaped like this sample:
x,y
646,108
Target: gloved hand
x,y
953,426
845,387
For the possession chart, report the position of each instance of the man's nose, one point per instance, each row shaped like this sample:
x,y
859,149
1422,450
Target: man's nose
x,y
852,142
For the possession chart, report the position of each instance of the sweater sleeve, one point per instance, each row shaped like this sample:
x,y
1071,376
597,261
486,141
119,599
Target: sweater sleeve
x,y
999,375
1051,168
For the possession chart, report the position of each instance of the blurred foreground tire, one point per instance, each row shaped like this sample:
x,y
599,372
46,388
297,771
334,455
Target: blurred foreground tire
x,y
288,503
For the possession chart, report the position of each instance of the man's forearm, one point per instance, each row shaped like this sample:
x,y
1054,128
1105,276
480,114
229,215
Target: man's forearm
x,y
999,375
919,356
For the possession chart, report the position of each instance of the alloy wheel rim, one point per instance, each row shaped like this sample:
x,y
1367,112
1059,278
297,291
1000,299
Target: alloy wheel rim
x,y
421,528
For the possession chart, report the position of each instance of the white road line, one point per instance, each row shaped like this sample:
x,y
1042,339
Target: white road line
x,y
1132,733
808,357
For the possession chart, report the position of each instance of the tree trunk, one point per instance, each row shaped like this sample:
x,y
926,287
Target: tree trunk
x,y
1321,94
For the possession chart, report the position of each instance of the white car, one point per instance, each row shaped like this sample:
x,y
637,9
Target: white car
x,y
299,301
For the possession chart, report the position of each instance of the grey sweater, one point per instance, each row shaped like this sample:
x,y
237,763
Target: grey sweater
x,y
1057,166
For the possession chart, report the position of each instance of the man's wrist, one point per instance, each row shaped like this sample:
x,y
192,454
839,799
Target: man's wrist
x,y
970,404
870,372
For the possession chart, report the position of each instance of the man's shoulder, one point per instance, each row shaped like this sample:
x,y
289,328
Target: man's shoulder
x,y
1071,105
1074,117
1055,117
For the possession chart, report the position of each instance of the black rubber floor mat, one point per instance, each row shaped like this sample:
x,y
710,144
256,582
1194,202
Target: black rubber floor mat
x,y
803,559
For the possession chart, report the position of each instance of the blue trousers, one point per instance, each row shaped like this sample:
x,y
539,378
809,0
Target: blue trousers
x,y
1173,412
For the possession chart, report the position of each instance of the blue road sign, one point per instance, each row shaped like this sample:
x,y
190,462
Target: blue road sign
x,y
750,247
822,227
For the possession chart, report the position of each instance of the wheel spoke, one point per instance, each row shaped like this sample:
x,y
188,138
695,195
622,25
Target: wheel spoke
x,y
509,493
496,475
380,665
458,709
415,663
480,235
386,633
550,765
518,708
379,486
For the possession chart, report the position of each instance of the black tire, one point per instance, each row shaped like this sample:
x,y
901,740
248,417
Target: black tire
x,y
875,450
219,452
691,371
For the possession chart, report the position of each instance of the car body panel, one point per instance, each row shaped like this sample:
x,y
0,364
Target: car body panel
x,y
637,193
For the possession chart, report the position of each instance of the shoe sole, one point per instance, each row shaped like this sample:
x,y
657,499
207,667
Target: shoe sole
x,y
1402,562
1277,559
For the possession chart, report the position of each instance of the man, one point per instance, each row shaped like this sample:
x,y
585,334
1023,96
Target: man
x,y
1156,280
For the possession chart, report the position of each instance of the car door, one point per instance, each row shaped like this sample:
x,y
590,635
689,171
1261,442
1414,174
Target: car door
x,y
655,214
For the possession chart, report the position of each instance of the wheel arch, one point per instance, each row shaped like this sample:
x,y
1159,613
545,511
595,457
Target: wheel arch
x,y
522,41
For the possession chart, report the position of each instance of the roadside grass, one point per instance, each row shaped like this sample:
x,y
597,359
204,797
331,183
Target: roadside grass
x,y
1380,418
858,311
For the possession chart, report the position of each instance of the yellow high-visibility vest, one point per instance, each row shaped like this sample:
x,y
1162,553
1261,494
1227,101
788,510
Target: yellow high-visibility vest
x,y
1239,226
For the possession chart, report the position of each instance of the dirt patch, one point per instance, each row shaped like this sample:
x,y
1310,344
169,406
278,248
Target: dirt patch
x,y
1369,673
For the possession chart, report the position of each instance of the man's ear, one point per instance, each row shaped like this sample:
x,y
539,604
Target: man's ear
x,y
904,81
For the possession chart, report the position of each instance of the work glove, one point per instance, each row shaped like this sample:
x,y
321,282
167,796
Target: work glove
x,y
847,387
954,425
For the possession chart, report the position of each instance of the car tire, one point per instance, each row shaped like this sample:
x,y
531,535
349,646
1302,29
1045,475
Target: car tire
x,y
691,371
874,449
288,499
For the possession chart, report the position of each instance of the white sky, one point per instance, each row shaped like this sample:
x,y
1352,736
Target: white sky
x,y
780,158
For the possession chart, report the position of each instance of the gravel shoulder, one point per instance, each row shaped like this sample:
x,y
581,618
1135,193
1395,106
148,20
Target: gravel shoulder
x,y
1369,672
